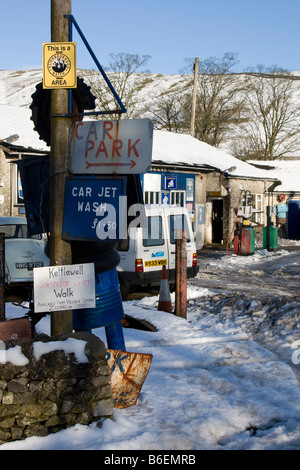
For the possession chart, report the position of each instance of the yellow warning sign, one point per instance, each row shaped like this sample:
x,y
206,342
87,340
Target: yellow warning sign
x,y
59,65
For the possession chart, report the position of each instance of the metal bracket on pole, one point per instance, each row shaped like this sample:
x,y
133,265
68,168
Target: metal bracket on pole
x,y
122,109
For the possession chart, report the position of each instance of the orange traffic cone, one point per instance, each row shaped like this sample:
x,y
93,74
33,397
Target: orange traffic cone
x,y
164,302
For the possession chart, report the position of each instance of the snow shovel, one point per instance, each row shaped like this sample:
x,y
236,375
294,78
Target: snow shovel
x,y
129,371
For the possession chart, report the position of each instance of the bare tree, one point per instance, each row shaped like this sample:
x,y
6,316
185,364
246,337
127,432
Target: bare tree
x,y
167,112
272,97
219,101
127,77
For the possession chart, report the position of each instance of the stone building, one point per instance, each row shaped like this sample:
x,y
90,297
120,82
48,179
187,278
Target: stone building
x,y
286,194
217,188
11,196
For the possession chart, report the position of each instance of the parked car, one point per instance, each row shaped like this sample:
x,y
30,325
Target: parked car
x,y
22,252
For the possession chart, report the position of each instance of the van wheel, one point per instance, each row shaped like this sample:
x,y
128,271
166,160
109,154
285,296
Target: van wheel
x,y
124,290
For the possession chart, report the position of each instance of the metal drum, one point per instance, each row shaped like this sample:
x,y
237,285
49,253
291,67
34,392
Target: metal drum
x,y
109,308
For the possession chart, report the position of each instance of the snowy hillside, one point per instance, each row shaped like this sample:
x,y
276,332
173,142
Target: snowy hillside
x,y
16,88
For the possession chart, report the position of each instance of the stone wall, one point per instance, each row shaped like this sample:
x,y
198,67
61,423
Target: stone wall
x,y
49,384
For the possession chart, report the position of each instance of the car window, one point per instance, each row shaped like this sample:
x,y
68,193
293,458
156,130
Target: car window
x,y
152,234
123,245
17,231
178,222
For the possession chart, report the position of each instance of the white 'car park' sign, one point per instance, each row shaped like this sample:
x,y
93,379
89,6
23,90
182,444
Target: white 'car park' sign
x,y
106,147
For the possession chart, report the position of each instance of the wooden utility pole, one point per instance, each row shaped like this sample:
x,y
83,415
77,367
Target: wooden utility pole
x,y
60,251
196,68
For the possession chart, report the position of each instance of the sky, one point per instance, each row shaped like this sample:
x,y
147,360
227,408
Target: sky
x,y
262,32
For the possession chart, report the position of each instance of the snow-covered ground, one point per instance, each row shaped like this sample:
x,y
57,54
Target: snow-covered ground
x,y
225,378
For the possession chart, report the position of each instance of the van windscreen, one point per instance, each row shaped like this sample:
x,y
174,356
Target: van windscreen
x,y
178,222
153,234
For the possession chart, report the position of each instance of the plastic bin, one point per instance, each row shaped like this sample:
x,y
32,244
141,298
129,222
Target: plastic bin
x,y
273,238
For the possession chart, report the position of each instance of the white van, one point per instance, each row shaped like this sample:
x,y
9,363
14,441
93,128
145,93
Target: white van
x,y
147,249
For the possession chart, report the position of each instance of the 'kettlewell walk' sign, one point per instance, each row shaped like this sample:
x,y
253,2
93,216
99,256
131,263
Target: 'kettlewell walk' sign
x,y
65,287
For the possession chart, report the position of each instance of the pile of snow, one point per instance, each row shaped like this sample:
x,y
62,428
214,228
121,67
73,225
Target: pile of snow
x,y
12,355
69,346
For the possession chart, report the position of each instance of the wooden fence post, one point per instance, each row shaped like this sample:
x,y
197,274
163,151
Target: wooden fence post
x,y
2,276
181,276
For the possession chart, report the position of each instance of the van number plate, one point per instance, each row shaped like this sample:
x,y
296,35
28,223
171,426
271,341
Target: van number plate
x,y
157,262
30,265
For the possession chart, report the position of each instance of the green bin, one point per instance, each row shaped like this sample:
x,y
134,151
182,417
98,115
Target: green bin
x,y
273,241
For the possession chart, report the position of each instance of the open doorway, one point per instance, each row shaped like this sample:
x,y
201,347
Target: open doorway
x,y
217,220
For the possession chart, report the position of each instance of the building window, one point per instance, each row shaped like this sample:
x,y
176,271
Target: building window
x,y
258,206
178,198
152,197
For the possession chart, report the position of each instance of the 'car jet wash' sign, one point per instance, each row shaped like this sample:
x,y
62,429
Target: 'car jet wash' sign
x,y
106,147
92,208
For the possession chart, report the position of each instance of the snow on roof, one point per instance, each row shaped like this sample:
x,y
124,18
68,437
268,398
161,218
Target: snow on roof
x,y
173,148
287,171
16,120
168,147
